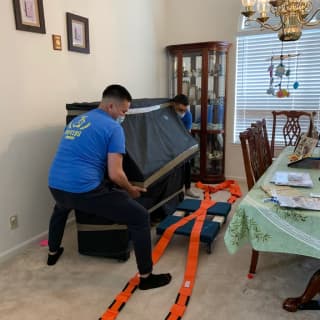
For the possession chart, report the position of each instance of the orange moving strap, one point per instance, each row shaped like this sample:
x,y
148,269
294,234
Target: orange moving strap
x,y
121,299
182,300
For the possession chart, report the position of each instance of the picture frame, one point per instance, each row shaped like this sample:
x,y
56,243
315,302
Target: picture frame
x,y
78,33
29,15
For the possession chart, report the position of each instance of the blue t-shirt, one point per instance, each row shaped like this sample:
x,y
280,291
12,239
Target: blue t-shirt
x,y
80,162
187,120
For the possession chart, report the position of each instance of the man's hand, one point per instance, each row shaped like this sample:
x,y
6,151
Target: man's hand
x,y
117,175
135,191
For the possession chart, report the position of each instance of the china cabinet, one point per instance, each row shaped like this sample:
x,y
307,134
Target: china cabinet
x,y
199,70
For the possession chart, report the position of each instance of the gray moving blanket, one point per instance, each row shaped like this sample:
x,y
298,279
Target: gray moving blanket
x,y
156,143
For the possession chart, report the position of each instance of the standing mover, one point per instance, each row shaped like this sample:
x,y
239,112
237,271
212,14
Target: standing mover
x,y
180,103
92,148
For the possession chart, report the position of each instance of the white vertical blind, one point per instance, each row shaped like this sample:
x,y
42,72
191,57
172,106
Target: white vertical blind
x,y
252,78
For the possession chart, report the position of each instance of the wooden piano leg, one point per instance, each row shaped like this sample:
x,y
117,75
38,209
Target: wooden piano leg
x,y
254,261
304,301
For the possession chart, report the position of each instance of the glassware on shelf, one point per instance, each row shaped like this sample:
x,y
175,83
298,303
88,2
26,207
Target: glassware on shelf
x,y
198,95
214,160
186,74
186,87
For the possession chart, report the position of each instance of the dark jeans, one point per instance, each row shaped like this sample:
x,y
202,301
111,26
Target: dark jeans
x,y
187,175
111,203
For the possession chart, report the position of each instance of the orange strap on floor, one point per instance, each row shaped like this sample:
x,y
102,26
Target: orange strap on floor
x,y
182,300
121,299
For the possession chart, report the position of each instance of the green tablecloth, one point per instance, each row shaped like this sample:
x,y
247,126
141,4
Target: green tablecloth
x,y
268,227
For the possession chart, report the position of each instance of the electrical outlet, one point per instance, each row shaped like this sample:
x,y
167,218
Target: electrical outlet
x,y
13,222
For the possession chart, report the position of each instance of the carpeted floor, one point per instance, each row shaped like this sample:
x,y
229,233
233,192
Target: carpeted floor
x,y
81,287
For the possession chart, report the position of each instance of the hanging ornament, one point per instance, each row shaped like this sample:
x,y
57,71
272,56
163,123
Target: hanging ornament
x,y
288,78
281,72
296,83
282,93
270,90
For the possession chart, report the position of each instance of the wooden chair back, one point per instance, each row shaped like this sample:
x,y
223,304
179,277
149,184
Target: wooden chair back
x,y
264,145
291,129
252,157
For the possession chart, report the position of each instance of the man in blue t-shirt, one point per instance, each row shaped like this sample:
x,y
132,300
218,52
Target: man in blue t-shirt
x,y
92,148
180,104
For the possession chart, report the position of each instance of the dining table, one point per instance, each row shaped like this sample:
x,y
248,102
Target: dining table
x,y
267,226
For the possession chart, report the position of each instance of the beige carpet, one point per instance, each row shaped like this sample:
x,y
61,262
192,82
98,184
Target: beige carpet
x,y
81,287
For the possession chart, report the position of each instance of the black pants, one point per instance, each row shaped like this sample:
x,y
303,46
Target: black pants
x,y
187,175
111,203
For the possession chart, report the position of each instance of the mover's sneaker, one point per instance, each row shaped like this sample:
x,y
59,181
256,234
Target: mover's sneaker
x,y
191,194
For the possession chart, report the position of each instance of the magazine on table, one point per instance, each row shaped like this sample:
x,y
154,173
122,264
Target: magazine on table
x,y
294,179
303,149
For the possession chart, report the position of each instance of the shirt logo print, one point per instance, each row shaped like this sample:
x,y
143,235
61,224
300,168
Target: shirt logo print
x,y
75,128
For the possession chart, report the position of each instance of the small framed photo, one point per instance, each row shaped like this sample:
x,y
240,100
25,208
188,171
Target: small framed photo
x,y
29,15
78,33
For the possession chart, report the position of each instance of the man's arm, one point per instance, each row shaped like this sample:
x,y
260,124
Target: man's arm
x,y
118,176
188,120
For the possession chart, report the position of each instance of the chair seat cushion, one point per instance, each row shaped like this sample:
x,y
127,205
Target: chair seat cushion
x,y
218,209
209,230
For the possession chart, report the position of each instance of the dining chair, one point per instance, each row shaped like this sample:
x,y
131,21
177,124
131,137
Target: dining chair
x,y
257,158
249,140
244,140
291,122
264,144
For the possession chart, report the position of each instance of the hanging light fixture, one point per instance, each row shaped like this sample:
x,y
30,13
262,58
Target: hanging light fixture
x,y
293,15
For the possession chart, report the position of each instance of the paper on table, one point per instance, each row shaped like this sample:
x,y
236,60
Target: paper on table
x,y
299,202
294,179
274,190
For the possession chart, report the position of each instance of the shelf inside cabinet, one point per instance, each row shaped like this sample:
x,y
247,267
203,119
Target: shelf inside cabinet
x,y
215,131
218,131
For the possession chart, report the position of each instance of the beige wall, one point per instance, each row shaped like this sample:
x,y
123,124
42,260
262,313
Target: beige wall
x,y
126,40
211,20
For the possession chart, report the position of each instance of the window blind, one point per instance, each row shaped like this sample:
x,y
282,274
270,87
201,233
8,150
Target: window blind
x,y
252,79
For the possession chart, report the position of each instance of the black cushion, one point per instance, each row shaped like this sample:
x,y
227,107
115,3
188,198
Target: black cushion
x,y
218,209
209,230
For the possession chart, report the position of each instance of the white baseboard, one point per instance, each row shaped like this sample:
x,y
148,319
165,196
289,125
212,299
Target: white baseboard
x,y
22,246
239,179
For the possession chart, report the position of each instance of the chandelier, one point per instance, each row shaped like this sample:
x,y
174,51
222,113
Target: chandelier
x,y
293,16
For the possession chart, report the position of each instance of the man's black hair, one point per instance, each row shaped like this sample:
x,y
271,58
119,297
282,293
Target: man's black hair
x,y
181,99
117,92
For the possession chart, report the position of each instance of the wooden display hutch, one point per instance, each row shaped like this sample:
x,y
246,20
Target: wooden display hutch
x,y
199,70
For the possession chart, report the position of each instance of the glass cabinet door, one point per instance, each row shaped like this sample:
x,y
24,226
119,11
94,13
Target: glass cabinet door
x,y
191,81
199,70
191,84
173,81
216,112
216,90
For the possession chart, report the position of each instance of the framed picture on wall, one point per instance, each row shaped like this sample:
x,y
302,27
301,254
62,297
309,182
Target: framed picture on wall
x,y
78,33
29,15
